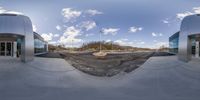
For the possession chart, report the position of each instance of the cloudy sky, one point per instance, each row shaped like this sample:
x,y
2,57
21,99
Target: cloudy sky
x,y
141,23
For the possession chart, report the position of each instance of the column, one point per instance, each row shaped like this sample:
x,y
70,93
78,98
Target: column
x,y
197,49
15,49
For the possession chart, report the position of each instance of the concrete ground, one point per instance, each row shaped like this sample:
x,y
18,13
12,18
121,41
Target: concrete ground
x,y
160,78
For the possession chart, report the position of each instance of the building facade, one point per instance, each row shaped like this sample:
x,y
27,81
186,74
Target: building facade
x,y
17,38
185,43
173,43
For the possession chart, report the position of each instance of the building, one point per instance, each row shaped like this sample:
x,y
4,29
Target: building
x,y
17,38
173,43
185,43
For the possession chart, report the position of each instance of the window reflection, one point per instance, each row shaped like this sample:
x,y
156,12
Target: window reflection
x,y
40,46
173,43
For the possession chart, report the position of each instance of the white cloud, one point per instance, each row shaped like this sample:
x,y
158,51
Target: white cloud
x,y
165,21
142,42
182,15
34,28
89,34
58,27
156,34
47,36
70,13
159,44
124,43
93,12
195,10
56,35
108,40
112,31
69,37
155,41
88,25
160,34
135,29
52,42
2,10
72,31
68,41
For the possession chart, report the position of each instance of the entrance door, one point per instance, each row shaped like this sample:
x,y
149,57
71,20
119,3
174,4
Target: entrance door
x,y
2,48
5,48
8,49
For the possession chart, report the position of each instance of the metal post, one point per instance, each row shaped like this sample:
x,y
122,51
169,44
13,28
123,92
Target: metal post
x,y
15,49
100,41
197,49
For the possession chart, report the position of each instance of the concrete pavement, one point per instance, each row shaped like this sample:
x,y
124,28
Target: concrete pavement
x,y
160,78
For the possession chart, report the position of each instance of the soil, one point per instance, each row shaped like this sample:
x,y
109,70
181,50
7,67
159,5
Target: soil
x,y
108,66
111,64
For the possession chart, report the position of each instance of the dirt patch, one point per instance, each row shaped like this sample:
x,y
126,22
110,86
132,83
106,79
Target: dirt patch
x,y
50,55
108,66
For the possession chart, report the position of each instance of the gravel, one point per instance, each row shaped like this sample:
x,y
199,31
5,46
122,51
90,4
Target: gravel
x,y
108,66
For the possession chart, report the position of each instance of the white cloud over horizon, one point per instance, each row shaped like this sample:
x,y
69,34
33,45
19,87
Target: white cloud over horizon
x,y
49,36
157,45
70,36
127,42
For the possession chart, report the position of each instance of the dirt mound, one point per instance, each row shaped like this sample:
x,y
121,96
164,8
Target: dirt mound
x,y
110,65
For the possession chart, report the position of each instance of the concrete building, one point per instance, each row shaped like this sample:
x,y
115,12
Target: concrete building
x,y
17,38
185,43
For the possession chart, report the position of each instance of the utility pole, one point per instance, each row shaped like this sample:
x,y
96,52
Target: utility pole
x,y
100,40
72,45
111,46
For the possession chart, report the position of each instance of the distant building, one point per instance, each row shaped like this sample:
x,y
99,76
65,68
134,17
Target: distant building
x,y
17,38
185,43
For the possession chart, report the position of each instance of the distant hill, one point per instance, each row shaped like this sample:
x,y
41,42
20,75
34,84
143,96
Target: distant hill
x,y
108,46
95,46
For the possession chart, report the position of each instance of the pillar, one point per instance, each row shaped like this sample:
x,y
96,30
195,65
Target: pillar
x,y
15,49
197,49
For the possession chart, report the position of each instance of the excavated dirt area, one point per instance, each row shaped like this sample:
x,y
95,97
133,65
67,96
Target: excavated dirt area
x,y
110,65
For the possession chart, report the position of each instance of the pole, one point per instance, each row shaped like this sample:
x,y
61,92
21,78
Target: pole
x,y
111,46
100,41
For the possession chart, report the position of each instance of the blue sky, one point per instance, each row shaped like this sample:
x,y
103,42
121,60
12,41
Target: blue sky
x,y
139,23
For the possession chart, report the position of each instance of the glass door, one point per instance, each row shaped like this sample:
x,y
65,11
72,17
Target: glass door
x,y
8,49
2,48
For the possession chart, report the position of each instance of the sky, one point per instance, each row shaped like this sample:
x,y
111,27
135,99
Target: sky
x,y
137,23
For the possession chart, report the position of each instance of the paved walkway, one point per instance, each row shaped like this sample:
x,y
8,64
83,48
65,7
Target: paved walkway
x,y
160,78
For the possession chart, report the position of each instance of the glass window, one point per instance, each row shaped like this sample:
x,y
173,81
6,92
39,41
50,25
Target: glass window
x,y
40,46
173,43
